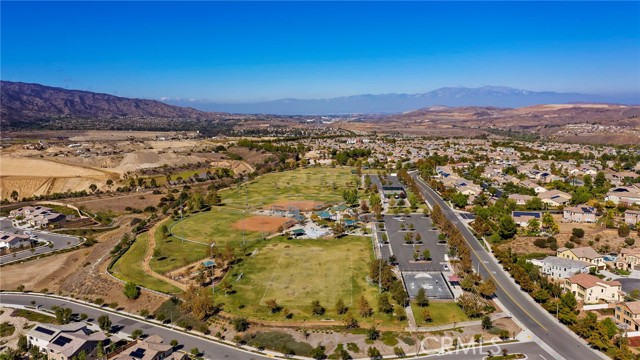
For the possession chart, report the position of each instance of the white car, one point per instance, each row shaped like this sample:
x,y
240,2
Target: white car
x,y
445,267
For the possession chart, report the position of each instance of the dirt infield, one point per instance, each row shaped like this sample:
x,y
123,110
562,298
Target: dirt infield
x,y
302,205
263,223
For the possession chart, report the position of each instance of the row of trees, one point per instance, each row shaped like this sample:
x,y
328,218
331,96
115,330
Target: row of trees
x,y
455,239
600,334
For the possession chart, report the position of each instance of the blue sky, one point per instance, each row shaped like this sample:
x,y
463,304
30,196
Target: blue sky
x,y
240,51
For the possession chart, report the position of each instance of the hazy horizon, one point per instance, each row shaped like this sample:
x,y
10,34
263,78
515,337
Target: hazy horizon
x,y
244,52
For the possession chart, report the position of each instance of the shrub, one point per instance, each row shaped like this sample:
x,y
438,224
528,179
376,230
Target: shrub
x,y
577,232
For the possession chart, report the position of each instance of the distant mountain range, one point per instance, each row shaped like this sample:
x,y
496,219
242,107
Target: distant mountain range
x,y
498,96
24,101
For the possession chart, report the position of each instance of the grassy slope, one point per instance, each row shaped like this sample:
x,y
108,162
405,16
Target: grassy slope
x,y
129,267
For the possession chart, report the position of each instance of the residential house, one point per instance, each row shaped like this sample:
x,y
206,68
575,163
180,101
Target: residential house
x,y
624,194
522,217
150,348
629,259
561,268
583,254
531,185
627,314
591,289
520,199
579,214
13,241
632,217
65,342
555,197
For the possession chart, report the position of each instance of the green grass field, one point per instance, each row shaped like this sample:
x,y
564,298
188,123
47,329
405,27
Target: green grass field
x,y
172,253
296,272
129,267
319,184
442,313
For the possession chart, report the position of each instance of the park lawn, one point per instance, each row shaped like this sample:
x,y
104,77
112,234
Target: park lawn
x,y
215,225
303,184
296,272
172,253
442,313
129,267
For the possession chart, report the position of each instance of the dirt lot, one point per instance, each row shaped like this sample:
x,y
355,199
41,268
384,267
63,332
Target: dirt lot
x,y
119,203
302,205
258,223
81,274
594,234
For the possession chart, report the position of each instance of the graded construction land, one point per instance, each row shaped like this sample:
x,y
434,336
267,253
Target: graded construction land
x,y
30,176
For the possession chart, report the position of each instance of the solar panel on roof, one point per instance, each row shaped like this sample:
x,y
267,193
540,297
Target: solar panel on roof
x,y
137,353
61,340
44,330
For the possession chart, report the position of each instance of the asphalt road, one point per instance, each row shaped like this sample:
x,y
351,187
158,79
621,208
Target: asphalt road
x,y
59,242
208,348
519,304
531,349
214,350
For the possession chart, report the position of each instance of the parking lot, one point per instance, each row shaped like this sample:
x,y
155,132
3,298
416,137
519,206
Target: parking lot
x,y
404,252
434,284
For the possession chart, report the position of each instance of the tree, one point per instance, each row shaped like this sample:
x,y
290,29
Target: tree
x,y
318,353
373,333
623,230
199,302
549,224
486,322
350,321
577,232
533,225
23,343
487,288
507,228
363,307
273,305
384,305
195,351
63,315
213,198
421,298
104,322
316,308
14,195
93,187
174,343
426,315
534,204
338,229
240,324
397,351
459,200
136,334
374,353
426,254
131,290
341,308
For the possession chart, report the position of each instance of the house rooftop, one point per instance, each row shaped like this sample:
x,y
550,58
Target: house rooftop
x,y
588,281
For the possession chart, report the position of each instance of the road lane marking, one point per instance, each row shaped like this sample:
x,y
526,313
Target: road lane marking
x,y
484,265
